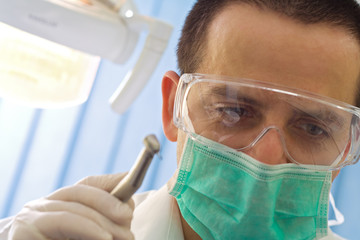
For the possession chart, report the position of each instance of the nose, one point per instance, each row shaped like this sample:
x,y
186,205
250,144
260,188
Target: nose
x,y
269,148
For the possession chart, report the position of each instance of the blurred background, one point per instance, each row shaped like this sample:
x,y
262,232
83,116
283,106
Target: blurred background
x,y
42,150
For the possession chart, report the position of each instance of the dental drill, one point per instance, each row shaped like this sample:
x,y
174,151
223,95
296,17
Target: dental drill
x,y
133,180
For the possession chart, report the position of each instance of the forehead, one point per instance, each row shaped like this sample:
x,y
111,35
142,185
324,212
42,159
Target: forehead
x,y
247,42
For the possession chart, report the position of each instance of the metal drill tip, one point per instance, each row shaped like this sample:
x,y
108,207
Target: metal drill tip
x,y
151,143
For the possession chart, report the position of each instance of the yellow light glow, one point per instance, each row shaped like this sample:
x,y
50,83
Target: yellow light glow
x,y
40,73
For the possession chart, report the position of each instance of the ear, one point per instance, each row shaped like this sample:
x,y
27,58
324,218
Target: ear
x,y
168,87
335,174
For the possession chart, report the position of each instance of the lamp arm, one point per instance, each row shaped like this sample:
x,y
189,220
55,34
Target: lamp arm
x,y
119,5
156,42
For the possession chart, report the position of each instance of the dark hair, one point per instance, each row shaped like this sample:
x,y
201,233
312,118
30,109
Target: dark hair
x,y
192,43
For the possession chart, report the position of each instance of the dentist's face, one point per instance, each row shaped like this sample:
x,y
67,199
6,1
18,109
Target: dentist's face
x,y
245,42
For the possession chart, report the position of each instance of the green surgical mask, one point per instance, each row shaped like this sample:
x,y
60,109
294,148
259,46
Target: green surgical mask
x,y
225,194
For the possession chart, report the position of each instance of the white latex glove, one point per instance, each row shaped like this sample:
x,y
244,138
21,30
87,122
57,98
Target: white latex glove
x,y
83,211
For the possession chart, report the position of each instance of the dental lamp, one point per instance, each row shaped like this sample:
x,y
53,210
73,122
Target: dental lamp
x,y
68,38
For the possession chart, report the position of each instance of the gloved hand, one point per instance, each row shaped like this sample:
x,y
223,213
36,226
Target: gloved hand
x,y
85,210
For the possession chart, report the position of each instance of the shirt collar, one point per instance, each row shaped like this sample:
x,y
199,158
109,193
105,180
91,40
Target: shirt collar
x,y
156,216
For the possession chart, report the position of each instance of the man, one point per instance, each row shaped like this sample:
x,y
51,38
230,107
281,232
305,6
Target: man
x,y
264,122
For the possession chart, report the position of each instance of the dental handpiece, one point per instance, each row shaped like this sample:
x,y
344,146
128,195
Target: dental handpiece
x,y
133,180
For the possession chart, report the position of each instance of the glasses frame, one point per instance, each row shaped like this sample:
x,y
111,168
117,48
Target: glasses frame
x,y
187,80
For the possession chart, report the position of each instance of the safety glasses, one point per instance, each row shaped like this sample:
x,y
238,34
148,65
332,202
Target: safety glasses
x,y
316,132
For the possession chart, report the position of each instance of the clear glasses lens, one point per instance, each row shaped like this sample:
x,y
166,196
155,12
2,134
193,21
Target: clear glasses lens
x,y
238,113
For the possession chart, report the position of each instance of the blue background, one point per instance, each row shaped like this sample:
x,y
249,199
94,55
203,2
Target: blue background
x,y
42,150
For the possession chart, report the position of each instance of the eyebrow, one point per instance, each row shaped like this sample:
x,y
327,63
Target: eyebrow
x,y
326,115
232,94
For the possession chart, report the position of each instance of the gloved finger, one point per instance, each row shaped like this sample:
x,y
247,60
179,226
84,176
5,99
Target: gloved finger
x,y
46,205
97,199
105,182
23,230
29,224
66,225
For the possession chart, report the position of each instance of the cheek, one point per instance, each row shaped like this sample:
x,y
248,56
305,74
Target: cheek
x,y
180,145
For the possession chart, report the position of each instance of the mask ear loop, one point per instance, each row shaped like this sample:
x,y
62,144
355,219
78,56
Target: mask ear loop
x,y
339,217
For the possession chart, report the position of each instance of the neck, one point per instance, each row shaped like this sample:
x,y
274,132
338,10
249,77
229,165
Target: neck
x,y
189,233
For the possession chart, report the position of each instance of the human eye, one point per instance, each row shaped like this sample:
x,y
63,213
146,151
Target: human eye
x,y
312,129
230,115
